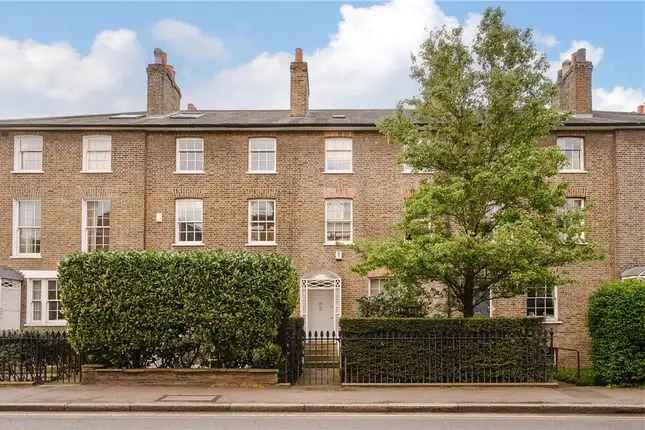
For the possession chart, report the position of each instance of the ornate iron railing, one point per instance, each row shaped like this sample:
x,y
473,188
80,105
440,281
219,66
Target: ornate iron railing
x,y
38,358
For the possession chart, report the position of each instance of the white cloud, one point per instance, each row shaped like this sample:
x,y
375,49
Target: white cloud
x,y
188,40
545,40
618,99
366,62
55,79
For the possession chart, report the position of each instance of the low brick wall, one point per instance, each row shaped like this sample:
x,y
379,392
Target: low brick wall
x,y
206,377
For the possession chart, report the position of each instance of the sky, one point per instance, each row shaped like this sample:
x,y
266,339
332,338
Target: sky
x,y
82,58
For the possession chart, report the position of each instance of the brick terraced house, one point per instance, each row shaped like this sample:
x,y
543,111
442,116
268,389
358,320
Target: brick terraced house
x,y
299,182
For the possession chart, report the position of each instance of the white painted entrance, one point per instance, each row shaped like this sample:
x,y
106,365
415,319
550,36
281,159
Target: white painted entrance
x,y
321,310
320,301
9,301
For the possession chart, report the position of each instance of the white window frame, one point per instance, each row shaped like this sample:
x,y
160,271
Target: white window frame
x,y
86,141
271,140
582,154
84,224
351,152
17,153
16,233
275,225
178,169
43,276
177,235
351,222
378,279
556,305
582,239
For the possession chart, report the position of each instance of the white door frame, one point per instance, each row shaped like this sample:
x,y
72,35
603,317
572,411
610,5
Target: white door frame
x,y
310,283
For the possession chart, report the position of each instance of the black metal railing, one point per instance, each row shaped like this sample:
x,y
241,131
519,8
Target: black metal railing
x,y
38,358
481,358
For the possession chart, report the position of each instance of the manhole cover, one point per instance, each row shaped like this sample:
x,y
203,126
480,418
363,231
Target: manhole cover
x,y
189,398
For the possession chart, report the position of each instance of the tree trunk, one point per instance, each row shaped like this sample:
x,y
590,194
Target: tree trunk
x,y
467,299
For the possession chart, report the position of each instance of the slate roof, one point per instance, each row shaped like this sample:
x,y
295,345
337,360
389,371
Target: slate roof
x,y
217,118
274,119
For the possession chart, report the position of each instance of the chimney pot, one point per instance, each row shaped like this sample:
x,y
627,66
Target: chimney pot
x,y
160,56
191,108
298,55
641,109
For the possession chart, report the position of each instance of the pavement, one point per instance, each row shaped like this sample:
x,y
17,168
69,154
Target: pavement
x,y
294,421
565,399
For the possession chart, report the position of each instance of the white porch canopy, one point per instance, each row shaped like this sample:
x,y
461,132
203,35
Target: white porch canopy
x,y
637,272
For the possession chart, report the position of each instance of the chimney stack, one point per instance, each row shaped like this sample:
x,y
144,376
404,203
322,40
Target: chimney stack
x,y
299,86
164,96
574,84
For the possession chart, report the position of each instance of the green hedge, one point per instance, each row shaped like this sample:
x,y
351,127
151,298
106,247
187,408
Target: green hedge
x,y
617,328
211,309
291,340
432,350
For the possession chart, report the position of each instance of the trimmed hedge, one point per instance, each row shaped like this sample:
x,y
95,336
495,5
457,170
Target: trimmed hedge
x,y
617,328
168,309
291,340
433,350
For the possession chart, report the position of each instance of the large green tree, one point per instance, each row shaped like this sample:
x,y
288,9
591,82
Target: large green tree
x,y
489,221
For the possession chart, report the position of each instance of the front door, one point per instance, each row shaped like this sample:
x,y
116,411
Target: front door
x,y
320,312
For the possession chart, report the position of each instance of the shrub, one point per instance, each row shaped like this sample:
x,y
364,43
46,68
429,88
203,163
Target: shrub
x,y
141,308
587,376
397,301
291,340
617,328
429,350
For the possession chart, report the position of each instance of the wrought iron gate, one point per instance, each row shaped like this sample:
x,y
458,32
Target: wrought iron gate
x,y
313,359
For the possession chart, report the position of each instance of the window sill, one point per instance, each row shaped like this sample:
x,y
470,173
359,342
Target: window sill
x,y
338,172
189,172
27,172
25,256
338,243
572,171
61,323
96,171
261,173
554,322
188,244
262,244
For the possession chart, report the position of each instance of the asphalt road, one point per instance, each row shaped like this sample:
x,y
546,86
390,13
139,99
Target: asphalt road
x,y
186,421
